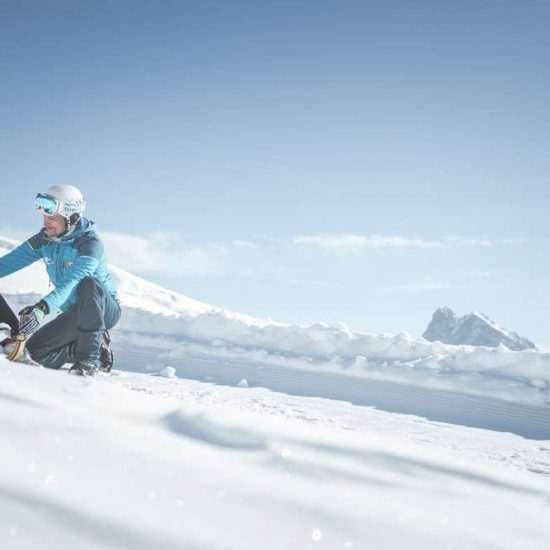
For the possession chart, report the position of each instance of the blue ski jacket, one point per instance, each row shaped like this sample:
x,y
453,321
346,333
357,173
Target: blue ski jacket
x,y
69,259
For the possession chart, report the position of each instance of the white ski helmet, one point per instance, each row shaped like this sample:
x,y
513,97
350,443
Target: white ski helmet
x,y
65,200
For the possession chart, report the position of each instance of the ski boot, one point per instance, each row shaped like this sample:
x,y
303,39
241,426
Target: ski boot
x,y
106,356
83,368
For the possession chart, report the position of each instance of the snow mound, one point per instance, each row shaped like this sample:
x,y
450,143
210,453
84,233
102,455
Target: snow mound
x,y
201,428
168,372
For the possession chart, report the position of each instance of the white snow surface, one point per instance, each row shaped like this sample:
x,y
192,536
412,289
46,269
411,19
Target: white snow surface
x,y
219,430
138,462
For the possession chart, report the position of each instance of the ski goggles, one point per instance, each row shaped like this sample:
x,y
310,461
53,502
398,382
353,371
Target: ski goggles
x,y
47,204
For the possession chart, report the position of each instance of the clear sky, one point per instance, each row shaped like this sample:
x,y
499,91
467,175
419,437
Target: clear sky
x,y
310,160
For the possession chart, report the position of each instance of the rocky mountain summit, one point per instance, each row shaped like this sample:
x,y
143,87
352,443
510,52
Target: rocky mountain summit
x,y
475,329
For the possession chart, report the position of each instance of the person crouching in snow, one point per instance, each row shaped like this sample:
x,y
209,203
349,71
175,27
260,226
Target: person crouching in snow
x,y
83,289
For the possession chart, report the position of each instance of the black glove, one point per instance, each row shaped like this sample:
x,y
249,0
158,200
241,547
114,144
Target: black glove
x,y
32,317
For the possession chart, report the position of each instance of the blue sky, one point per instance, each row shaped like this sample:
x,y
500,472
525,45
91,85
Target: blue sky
x,y
350,161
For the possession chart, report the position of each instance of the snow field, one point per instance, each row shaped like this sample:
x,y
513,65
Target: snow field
x,y
157,455
138,461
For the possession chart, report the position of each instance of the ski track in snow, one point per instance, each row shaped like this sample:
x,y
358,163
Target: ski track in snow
x,y
434,404
516,452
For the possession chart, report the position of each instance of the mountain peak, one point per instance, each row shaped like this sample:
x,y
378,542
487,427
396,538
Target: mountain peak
x,y
443,321
445,311
475,329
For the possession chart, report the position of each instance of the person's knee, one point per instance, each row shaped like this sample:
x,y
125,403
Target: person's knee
x,y
87,283
88,286
45,355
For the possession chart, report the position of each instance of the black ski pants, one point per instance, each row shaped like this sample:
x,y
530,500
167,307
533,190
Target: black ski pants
x,y
75,335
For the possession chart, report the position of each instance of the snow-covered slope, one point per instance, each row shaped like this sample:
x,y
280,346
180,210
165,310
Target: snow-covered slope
x,y
135,292
141,462
475,329
419,445
180,331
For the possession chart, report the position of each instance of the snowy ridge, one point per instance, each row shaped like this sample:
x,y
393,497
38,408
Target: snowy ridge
x,y
138,294
181,329
495,372
474,329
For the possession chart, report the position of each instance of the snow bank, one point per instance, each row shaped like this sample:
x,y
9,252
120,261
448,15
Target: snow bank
x,y
496,372
179,326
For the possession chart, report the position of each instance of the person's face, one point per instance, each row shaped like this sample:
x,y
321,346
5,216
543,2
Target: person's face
x,y
55,225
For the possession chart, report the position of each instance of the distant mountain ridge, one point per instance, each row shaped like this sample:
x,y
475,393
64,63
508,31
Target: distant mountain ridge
x,y
152,309
474,329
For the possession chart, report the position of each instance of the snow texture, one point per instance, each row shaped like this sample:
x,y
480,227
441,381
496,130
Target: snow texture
x,y
217,430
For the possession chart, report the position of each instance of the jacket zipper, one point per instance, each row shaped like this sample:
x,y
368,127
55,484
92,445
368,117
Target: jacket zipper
x,y
57,261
